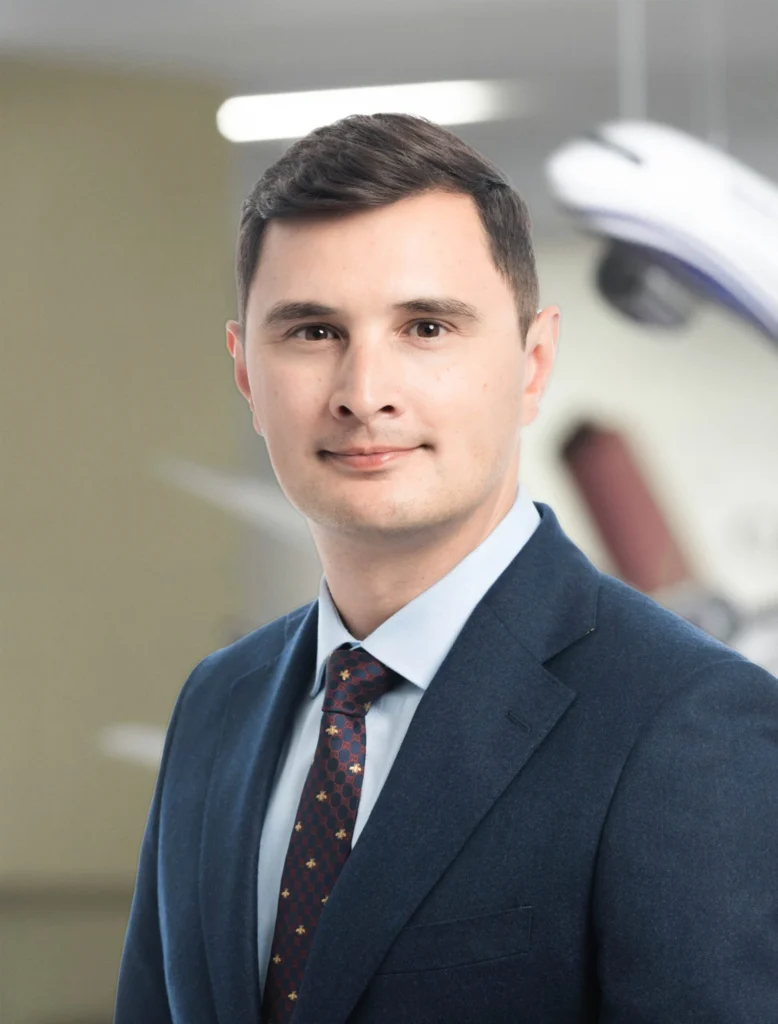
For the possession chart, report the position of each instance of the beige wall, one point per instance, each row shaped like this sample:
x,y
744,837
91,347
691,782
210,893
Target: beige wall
x,y
115,281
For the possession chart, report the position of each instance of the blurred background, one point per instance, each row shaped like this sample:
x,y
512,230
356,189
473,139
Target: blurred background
x,y
142,527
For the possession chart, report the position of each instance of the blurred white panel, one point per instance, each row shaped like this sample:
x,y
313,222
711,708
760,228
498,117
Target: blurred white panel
x,y
251,500
138,744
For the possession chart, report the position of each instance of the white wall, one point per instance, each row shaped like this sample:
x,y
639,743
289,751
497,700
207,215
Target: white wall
x,y
700,411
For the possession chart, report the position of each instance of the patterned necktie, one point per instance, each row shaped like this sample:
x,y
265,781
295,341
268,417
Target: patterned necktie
x,y
324,825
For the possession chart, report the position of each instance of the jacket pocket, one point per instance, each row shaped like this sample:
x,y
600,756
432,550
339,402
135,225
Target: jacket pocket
x,y
429,947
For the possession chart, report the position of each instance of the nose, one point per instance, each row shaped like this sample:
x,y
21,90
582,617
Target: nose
x,y
367,382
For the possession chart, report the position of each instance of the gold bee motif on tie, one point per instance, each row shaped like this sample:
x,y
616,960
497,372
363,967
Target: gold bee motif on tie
x,y
300,930
293,996
355,768
345,674
286,894
277,959
324,899
321,796
298,827
310,863
368,706
333,730
341,834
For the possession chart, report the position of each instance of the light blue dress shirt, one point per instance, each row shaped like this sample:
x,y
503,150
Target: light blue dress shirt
x,y
414,642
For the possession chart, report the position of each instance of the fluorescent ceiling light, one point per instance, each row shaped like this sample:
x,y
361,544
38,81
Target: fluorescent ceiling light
x,y
290,115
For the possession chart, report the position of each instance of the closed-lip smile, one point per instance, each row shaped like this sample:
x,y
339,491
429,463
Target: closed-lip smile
x,y
367,459
379,450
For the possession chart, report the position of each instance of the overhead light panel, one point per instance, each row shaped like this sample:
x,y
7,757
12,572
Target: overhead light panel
x,y
290,115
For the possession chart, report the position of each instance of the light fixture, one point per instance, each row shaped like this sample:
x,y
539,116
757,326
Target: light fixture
x,y
291,115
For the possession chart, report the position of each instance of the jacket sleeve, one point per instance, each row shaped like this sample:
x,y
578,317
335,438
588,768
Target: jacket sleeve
x,y
685,900
142,991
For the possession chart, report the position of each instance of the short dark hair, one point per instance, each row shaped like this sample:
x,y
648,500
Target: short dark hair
x,y
373,160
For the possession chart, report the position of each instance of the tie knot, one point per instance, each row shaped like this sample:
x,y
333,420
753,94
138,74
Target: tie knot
x,y
355,680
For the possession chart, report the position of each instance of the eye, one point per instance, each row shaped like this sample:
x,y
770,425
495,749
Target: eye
x,y
312,332
429,330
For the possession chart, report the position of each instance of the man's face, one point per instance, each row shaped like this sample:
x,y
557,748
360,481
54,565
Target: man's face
x,y
389,328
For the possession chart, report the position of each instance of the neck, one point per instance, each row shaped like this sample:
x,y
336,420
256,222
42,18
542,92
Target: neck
x,y
372,578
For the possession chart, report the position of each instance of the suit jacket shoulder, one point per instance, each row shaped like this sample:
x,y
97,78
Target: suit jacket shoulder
x,y
221,668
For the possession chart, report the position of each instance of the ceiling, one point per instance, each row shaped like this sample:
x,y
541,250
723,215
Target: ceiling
x,y
566,52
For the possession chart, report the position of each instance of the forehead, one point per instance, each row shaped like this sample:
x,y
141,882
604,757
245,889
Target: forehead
x,y
426,244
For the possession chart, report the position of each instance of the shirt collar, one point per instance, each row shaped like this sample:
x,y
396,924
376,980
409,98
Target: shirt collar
x,y
416,639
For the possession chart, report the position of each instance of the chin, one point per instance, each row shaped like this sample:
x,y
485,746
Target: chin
x,y
394,516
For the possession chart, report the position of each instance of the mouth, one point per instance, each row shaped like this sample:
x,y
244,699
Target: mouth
x,y
368,459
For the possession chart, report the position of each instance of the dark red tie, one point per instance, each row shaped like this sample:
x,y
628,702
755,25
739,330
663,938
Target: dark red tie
x,y
321,837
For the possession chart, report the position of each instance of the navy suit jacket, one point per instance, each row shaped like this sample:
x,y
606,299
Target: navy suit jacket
x,y
581,825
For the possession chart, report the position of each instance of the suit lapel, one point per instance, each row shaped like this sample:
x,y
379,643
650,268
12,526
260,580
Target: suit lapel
x,y
258,718
486,712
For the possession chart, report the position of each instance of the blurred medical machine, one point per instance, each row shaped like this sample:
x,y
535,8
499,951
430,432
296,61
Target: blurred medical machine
x,y
682,223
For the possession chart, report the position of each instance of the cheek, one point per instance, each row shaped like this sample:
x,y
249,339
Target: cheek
x,y
285,399
480,406
500,390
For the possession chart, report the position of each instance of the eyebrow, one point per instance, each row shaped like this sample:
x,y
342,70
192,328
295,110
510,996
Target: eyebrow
x,y
287,312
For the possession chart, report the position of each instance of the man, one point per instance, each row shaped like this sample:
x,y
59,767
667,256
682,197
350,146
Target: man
x,y
477,780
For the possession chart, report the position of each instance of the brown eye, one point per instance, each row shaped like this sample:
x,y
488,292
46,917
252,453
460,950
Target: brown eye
x,y
428,329
312,332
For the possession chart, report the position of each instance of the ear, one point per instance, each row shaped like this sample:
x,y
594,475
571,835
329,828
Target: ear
x,y
236,350
539,356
